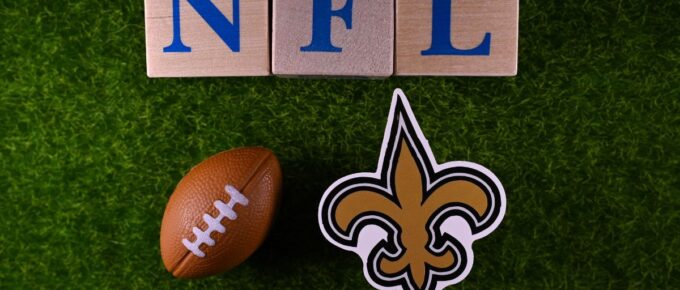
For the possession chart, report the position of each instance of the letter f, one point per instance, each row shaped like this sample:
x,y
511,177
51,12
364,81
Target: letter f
x,y
321,25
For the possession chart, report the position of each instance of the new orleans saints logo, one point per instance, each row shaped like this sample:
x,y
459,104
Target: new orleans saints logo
x,y
413,221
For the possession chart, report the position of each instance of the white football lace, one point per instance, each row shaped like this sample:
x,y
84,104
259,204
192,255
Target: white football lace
x,y
215,223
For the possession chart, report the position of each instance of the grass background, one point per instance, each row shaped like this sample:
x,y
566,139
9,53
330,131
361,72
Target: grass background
x,y
585,139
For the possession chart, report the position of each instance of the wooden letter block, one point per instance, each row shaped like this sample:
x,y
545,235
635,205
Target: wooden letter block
x,y
457,37
192,38
333,38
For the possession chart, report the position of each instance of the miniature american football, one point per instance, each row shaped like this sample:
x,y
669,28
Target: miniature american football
x,y
220,212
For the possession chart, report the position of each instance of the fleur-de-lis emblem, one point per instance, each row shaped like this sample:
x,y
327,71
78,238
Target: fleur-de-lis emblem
x,y
413,221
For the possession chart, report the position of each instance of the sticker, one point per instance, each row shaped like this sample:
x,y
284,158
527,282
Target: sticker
x,y
412,221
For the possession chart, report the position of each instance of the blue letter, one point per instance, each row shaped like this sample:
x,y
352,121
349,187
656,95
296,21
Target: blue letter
x,y
441,34
321,25
227,31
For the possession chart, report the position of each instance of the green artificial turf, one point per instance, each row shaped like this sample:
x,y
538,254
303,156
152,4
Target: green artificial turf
x,y
586,140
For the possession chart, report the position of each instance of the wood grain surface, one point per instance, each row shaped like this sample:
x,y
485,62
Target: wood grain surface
x,y
367,48
470,21
210,56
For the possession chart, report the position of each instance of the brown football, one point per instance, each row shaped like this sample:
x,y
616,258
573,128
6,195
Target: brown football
x,y
220,212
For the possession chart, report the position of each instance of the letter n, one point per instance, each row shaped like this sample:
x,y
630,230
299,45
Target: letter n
x,y
228,31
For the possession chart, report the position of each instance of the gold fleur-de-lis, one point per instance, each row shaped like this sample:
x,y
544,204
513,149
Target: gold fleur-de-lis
x,y
411,214
412,221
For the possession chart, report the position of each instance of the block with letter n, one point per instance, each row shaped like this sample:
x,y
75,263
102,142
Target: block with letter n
x,y
457,37
193,38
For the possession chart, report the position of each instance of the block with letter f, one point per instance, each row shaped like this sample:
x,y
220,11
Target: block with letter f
x,y
207,38
333,37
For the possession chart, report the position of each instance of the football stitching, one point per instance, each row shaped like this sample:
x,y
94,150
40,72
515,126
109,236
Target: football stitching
x,y
215,223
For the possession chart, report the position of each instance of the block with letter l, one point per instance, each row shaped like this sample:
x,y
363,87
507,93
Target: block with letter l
x,y
192,38
333,38
457,37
